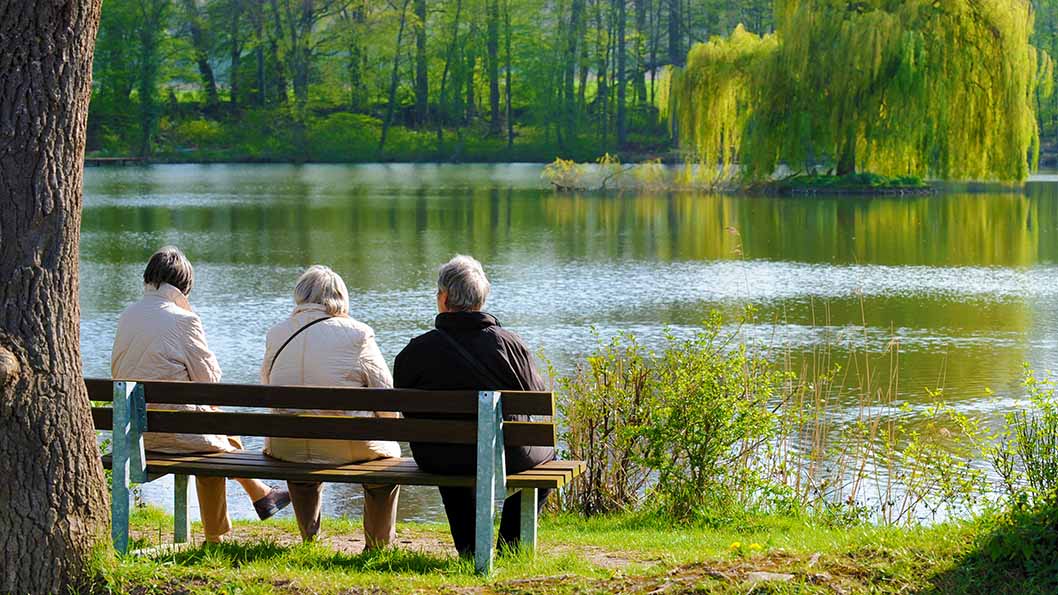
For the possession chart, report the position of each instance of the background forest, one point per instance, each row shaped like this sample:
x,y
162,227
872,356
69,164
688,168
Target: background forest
x,y
409,80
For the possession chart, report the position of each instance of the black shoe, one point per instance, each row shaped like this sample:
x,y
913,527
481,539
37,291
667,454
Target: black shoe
x,y
275,501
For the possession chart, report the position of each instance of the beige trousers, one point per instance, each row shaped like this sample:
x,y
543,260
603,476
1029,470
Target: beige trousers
x,y
380,511
213,506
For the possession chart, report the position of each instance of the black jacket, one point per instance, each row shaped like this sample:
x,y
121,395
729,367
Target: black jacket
x,y
430,362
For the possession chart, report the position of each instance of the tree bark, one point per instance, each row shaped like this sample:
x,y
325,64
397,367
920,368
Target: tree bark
x,y
54,512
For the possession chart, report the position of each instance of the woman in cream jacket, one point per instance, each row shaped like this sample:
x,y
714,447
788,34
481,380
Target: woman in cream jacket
x,y
161,338
321,345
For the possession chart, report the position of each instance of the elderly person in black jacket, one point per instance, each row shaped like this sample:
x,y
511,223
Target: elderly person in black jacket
x,y
502,362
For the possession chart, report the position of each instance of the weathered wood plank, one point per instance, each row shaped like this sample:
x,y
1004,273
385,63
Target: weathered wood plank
x,y
327,398
403,473
334,427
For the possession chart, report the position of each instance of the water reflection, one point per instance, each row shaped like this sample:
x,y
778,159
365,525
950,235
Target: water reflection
x,y
966,283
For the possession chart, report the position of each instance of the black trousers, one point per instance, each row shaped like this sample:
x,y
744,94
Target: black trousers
x,y
459,503
462,520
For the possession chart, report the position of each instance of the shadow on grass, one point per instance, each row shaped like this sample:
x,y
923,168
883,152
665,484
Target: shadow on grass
x,y
315,557
1016,552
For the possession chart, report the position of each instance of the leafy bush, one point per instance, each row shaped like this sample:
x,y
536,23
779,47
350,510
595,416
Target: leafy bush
x,y
197,133
713,413
344,137
1021,546
1026,455
565,174
605,404
684,427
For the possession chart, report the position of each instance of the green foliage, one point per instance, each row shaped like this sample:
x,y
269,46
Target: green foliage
x,y
344,137
197,133
1025,452
605,404
691,421
711,413
1017,550
877,86
864,180
565,174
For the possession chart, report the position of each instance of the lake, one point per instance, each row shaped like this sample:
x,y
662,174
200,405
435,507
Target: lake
x,y
966,283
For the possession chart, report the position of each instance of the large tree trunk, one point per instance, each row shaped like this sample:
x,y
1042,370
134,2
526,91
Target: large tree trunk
x,y
54,503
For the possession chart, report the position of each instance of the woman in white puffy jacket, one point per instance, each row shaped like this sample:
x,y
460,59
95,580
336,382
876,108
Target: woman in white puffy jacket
x,y
321,345
161,338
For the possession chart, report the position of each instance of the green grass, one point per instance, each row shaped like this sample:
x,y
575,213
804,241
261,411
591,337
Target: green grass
x,y
628,554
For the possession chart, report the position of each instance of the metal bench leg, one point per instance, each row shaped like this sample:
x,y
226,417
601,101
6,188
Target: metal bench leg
x,y
527,538
488,446
181,522
119,477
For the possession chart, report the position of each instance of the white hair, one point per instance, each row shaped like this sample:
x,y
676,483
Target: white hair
x,y
463,279
321,285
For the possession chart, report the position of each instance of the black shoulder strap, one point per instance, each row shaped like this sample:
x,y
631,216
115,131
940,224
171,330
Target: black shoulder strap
x,y
474,363
289,339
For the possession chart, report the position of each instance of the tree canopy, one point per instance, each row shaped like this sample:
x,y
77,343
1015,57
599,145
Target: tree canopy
x,y
915,87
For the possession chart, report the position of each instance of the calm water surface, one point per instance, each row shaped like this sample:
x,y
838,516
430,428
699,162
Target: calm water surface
x,y
966,283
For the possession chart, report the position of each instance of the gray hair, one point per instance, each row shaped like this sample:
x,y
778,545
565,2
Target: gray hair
x,y
321,285
169,265
463,279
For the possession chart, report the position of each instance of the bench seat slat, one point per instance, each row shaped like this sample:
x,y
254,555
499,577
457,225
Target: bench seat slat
x,y
335,427
325,398
386,471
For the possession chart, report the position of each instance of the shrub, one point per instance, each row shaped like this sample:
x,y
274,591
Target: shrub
x,y
686,426
565,174
1026,457
198,133
605,404
1020,546
714,412
344,137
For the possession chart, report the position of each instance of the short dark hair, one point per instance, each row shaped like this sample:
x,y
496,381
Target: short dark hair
x,y
169,265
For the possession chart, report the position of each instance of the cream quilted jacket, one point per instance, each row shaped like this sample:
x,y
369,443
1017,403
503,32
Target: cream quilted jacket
x,y
160,338
338,352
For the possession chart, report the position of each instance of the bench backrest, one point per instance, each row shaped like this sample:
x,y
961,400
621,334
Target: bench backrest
x,y
462,405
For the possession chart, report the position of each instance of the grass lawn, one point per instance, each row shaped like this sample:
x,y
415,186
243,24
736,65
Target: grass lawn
x,y
626,554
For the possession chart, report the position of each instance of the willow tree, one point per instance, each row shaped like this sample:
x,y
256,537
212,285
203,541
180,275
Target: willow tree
x,y
913,87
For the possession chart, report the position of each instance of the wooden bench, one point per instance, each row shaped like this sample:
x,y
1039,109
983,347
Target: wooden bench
x,y
129,418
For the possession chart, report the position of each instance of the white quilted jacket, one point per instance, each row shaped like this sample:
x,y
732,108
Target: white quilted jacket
x,y
160,338
338,352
